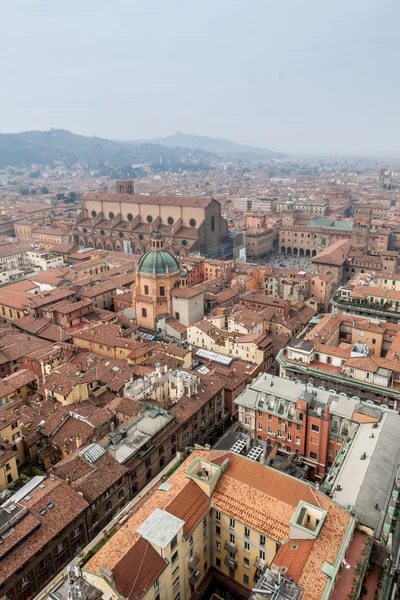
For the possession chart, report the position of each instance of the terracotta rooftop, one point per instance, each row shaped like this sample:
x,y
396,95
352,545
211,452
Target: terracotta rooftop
x,y
36,530
174,324
335,254
15,345
157,200
137,570
90,479
187,406
50,297
187,291
190,505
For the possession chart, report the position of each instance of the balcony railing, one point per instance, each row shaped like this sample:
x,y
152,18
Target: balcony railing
x,y
194,577
259,564
230,547
194,561
230,562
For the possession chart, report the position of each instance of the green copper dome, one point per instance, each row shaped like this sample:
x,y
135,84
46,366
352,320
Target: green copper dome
x,y
157,235
158,262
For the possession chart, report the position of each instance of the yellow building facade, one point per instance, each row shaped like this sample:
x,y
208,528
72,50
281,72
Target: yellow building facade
x,y
230,513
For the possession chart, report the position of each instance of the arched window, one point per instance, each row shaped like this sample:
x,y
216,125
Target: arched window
x,y
121,189
212,223
129,189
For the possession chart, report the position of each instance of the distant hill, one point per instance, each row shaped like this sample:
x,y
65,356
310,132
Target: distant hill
x,y
43,147
224,148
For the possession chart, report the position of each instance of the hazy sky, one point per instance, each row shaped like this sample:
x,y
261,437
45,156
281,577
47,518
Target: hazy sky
x,y
290,75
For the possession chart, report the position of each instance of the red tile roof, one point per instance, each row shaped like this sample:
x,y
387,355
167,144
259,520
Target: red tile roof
x,y
137,571
157,200
190,505
293,555
68,505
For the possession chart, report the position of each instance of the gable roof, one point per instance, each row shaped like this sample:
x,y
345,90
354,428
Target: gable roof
x,y
157,200
137,571
334,255
190,505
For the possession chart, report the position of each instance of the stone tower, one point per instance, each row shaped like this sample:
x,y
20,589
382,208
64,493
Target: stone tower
x,y
361,228
289,215
125,186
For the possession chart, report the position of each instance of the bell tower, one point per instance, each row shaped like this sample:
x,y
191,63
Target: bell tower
x,y
289,215
361,228
125,186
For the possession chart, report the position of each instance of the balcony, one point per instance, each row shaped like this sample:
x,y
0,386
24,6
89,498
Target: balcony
x,y
259,564
230,562
230,547
194,561
194,577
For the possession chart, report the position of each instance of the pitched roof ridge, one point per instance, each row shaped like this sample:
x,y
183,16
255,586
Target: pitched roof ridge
x,y
139,570
313,491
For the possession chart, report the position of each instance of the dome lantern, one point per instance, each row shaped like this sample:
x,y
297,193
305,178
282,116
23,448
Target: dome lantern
x,y
183,276
157,240
158,261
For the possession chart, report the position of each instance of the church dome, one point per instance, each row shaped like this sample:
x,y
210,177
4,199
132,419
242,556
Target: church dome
x,y
183,274
158,262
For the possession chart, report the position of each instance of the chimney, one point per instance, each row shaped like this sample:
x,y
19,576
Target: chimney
x,y
79,442
225,464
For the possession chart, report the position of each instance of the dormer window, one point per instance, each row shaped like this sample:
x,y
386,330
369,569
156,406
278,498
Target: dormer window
x,y
306,521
